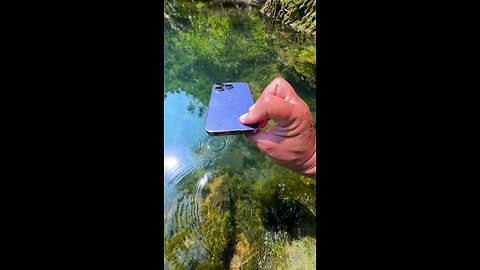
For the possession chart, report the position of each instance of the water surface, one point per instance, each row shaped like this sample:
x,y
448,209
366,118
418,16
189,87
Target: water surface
x,y
226,206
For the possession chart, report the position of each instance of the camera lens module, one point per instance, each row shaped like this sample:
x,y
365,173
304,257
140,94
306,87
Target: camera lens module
x,y
228,86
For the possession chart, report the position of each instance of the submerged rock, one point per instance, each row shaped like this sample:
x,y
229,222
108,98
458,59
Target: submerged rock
x,y
242,250
302,254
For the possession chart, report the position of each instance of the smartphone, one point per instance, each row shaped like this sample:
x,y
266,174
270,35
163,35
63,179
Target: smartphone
x,y
228,102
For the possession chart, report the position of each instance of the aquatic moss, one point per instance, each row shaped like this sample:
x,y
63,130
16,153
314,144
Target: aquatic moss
x,y
233,217
218,44
300,14
302,254
240,222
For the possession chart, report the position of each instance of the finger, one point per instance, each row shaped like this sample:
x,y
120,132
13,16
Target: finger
x,y
271,89
281,88
278,87
270,107
262,140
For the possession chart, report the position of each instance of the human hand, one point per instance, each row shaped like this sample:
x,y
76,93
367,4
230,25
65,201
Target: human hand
x,y
291,141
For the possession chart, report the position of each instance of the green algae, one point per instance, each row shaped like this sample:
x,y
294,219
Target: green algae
x,y
251,214
302,254
300,14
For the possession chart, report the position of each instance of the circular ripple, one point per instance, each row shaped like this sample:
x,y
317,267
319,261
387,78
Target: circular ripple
x,y
216,143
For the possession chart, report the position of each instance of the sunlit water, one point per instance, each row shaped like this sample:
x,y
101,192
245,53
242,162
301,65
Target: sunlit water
x,y
225,204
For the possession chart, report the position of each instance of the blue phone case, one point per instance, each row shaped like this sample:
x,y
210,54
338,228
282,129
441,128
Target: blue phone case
x,y
228,102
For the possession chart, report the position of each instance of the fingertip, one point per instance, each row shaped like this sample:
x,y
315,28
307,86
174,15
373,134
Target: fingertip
x,y
278,79
243,117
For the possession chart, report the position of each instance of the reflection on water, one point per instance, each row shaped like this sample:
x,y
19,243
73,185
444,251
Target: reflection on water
x,y
187,146
226,206
188,152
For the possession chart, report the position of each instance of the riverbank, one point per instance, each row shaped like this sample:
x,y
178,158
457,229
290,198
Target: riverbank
x,y
300,15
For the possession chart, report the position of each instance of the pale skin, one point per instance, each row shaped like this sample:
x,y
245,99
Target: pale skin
x,y
291,141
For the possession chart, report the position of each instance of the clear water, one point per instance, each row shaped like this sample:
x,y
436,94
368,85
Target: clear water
x,y
226,206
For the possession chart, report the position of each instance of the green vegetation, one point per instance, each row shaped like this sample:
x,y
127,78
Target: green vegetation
x,y
302,254
250,214
301,14
217,44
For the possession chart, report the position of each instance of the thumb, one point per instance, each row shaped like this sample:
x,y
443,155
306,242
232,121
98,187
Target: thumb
x,y
270,107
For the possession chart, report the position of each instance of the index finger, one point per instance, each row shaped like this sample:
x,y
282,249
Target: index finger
x,y
281,88
270,107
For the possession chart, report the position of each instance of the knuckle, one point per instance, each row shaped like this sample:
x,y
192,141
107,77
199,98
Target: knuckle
x,y
304,113
279,79
300,113
267,100
307,113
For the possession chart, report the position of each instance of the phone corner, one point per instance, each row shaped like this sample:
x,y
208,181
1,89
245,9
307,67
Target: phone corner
x,y
209,132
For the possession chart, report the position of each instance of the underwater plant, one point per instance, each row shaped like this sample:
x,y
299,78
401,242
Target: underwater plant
x,y
234,209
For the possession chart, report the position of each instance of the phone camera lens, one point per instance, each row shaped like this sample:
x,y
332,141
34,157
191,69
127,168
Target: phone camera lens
x,y
228,86
219,88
